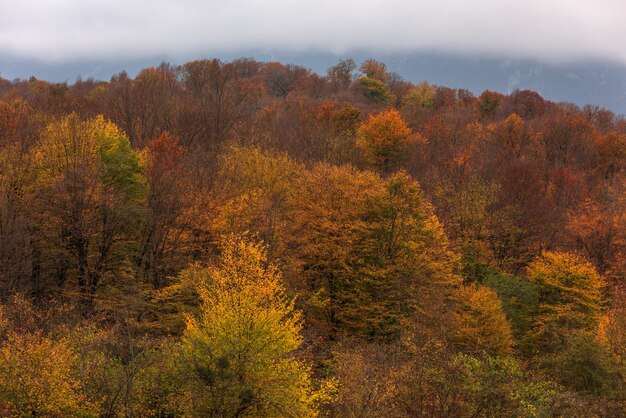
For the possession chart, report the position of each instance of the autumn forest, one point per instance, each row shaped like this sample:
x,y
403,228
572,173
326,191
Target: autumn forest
x,y
247,238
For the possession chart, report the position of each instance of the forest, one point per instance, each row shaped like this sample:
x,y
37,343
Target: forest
x,y
253,239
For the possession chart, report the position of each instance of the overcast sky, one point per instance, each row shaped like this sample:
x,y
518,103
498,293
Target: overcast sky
x,y
549,30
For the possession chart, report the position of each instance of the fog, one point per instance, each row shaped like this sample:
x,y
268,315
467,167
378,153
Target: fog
x,y
57,31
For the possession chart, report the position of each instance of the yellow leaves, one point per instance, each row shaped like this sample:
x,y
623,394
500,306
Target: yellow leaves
x,y
255,191
385,128
71,142
374,69
422,96
36,377
612,329
241,343
570,298
567,272
479,324
250,168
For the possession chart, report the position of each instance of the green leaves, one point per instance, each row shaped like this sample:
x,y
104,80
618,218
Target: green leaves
x,y
121,164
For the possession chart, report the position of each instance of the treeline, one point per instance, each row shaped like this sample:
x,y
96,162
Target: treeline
x,y
254,239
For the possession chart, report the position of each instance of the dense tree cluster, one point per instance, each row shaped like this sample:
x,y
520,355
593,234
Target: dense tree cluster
x,y
254,239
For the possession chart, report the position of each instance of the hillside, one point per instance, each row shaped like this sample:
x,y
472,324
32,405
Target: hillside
x,y
253,238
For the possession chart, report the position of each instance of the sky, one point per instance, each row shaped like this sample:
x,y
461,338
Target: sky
x,y
59,31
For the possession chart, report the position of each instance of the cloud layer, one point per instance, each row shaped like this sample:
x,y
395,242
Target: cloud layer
x,y
549,30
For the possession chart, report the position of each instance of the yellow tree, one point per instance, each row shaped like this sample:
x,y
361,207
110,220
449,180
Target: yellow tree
x,y
420,97
569,298
383,139
240,348
36,378
37,374
255,190
479,323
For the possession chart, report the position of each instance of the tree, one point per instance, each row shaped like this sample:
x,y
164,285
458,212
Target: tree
x,y
520,300
418,103
90,190
488,103
383,139
38,374
375,90
611,149
583,364
374,69
215,102
519,217
37,378
598,228
434,382
167,183
568,139
569,298
479,323
366,373
17,245
145,106
239,350
526,103
498,387
256,190
16,121
420,97
613,331
374,258
511,139
340,74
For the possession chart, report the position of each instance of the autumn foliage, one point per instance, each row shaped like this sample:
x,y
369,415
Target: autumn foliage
x,y
255,239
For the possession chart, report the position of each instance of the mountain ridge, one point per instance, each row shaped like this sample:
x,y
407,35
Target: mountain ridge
x,y
597,83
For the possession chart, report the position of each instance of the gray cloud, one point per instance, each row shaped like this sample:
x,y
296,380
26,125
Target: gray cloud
x,y
549,30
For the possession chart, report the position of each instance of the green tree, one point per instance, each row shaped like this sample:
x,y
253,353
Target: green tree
x,y
498,387
520,299
488,103
584,364
375,90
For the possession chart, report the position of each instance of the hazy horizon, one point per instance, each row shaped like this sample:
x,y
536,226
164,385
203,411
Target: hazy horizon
x,y
566,50
601,83
558,31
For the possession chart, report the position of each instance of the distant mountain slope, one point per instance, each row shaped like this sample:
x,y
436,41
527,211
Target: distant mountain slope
x,y
598,83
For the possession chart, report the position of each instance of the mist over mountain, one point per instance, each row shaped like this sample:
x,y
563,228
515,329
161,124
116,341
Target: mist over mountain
x,y
599,83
